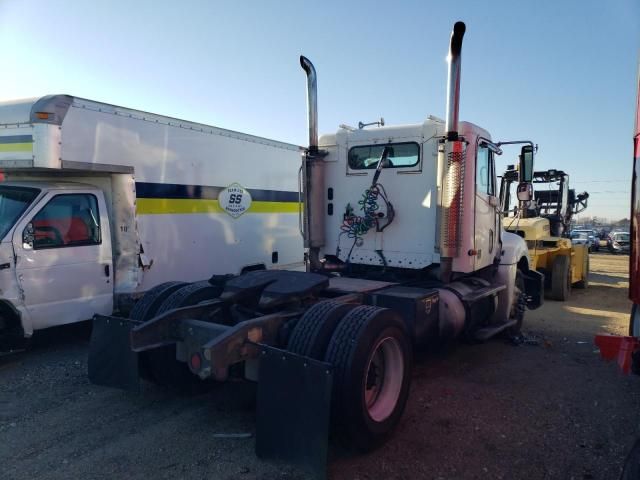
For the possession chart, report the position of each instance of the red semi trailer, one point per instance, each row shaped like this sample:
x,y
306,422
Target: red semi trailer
x,y
626,350
634,257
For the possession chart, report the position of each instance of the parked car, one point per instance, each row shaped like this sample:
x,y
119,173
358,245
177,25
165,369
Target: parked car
x,y
618,242
585,237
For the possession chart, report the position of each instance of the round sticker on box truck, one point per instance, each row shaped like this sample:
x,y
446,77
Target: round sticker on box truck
x,y
235,200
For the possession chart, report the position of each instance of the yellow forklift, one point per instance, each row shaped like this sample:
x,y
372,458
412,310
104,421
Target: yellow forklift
x,y
541,214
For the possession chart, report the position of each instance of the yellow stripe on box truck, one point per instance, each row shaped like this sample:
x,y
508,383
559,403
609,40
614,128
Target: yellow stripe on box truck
x,y
16,147
159,206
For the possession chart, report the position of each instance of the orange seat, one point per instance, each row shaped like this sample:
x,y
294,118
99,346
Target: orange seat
x,y
71,230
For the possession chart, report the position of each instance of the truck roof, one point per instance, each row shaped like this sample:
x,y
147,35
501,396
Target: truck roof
x,y
51,185
52,109
383,134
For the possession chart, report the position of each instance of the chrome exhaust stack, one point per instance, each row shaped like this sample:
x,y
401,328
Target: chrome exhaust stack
x,y
451,164
453,81
313,172
312,101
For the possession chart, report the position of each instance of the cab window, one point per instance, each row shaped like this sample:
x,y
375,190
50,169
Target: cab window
x,y
400,155
66,221
484,171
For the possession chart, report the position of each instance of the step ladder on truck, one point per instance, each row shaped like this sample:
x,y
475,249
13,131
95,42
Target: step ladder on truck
x,y
404,248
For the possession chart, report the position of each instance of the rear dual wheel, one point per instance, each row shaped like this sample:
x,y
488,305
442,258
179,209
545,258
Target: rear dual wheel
x,y
312,334
165,369
160,364
371,355
146,308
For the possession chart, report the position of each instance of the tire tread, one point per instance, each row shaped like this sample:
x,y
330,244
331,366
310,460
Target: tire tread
x,y
315,328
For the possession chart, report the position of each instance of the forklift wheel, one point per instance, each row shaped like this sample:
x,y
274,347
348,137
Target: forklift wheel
x,y
312,333
561,278
371,355
148,305
584,283
165,369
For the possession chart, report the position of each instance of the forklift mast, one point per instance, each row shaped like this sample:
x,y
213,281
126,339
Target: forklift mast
x,y
557,202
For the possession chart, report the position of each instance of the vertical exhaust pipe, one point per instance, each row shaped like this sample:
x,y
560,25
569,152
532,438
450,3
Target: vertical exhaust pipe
x,y
453,81
312,101
313,172
453,164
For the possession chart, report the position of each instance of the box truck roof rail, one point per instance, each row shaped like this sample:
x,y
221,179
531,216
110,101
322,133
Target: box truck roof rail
x,y
53,109
61,132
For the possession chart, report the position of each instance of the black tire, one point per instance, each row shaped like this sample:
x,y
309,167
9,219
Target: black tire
x,y
190,295
366,330
584,283
163,366
518,308
312,333
145,309
634,321
148,305
561,278
12,337
631,469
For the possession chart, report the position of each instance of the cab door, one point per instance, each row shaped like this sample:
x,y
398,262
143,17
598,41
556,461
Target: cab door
x,y
63,258
487,220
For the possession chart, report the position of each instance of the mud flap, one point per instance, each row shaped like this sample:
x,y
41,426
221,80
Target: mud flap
x,y
293,411
534,288
112,363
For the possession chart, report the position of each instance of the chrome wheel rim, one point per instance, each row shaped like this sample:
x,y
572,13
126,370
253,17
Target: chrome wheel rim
x,y
383,379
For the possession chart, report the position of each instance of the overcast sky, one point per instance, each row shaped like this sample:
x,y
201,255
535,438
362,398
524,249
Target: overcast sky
x,y
561,73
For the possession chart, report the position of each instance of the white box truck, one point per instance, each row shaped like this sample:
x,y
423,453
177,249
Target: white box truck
x,y
100,203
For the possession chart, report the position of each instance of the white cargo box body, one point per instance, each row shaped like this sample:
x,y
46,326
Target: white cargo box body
x,y
185,200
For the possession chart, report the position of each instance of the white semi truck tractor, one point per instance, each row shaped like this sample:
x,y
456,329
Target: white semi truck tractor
x,y
405,247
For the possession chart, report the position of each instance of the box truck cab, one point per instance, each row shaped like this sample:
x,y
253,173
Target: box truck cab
x,y
56,252
99,204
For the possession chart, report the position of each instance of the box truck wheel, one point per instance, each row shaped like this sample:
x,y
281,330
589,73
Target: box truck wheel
x,y
561,278
11,333
372,357
584,283
148,305
164,368
312,333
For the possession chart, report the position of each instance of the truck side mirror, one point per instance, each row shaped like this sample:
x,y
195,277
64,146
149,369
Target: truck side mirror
x,y
525,192
526,164
28,237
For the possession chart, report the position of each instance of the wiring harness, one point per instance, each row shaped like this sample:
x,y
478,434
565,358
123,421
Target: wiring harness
x,y
356,226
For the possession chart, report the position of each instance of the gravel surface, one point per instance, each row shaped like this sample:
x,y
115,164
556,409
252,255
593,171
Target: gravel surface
x,y
546,409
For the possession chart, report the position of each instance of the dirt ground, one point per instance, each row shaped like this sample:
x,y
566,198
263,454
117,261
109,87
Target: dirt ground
x,y
547,409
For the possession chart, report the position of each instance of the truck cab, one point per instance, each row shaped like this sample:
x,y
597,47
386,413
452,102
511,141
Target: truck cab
x,y
406,201
55,254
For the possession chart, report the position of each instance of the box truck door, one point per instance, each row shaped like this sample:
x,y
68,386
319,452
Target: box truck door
x,y
63,258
